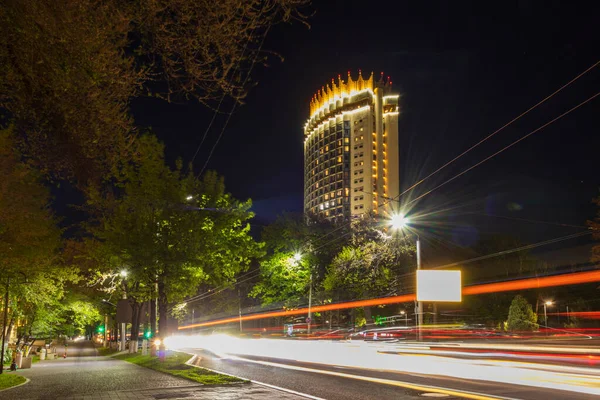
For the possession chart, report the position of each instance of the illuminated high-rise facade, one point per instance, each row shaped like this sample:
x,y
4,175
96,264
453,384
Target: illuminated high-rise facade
x,y
351,149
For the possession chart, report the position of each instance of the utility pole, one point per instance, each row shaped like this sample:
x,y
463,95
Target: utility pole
x,y
4,325
124,324
105,329
420,303
309,320
240,309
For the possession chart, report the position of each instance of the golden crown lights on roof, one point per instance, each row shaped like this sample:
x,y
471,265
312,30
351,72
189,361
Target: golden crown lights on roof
x,y
334,92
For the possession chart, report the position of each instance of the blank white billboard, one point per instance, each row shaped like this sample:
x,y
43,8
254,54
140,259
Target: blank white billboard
x,y
434,285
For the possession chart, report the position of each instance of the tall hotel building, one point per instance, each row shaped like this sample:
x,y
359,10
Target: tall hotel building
x,y
351,149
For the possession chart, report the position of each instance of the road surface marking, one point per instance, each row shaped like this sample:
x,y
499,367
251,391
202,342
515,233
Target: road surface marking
x,y
423,388
191,360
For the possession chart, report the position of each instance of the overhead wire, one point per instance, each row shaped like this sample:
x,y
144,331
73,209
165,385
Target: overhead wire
x,y
506,147
224,95
502,127
235,103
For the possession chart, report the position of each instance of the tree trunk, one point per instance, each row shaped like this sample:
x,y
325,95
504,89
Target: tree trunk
x,y
11,324
368,316
153,317
162,309
135,326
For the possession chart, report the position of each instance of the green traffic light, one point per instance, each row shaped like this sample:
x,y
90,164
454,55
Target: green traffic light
x,y
100,329
148,334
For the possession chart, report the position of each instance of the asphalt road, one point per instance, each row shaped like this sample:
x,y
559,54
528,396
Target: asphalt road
x,y
338,382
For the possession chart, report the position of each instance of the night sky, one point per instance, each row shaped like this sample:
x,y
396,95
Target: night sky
x,y
463,70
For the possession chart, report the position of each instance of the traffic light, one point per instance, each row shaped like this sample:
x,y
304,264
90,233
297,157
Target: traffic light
x,y
148,334
101,329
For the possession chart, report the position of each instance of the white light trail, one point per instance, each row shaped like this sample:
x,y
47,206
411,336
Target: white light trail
x,y
369,356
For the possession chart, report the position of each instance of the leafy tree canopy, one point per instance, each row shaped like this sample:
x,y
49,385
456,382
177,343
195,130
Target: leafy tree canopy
x,y
521,316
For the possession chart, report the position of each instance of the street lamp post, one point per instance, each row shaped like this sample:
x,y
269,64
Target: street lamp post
x,y
398,222
123,324
309,320
546,304
4,325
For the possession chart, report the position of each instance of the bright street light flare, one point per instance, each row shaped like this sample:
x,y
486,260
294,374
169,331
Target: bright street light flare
x,y
399,221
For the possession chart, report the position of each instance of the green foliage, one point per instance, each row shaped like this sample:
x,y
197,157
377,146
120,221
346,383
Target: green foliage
x,y
70,69
171,228
10,380
521,316
284,279
29,238
371,266
175,364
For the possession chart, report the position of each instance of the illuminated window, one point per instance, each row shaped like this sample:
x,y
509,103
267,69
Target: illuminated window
x,y
327,197
347,191
346,148
326,172
339,159
362,129
346,140
321,206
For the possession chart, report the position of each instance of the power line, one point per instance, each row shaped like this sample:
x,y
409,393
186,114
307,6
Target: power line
x,y
507,147
235,104
501,128
509,251
526,247
531,220
224,287
224,95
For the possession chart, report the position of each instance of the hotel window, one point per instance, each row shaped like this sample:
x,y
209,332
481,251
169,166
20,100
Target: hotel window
x,y
339,193
346,140
346,148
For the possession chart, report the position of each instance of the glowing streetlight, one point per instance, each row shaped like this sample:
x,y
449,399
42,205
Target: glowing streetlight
x,y
399,221
297,257
405,317
123,273
547,304
190,197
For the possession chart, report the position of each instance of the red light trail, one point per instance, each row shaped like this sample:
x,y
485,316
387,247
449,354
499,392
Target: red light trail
x,y
519,284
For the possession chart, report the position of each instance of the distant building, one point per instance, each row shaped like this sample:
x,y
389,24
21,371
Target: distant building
x,y
351,149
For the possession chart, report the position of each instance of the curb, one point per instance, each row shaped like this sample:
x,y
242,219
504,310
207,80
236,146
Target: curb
x,y
192,361
27,380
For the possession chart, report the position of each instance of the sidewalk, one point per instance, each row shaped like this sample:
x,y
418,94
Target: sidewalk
x,y
90,377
